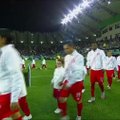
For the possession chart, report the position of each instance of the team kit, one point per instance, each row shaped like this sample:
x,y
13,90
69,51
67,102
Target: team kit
x,y
68,78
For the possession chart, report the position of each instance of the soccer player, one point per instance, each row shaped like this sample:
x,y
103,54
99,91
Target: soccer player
x,y
11,77
95,61
56,81
73,82
33,64
110,65
44,65
118,63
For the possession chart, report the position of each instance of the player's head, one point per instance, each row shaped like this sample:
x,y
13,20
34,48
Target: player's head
x,y
60,62
5,37
109,53
69,47
58,57
94,45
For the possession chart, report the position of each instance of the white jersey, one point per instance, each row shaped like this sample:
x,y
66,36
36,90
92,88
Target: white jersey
x,y
74,68
118,60
110,63
67,60
96,59
23,92
58,77
11,77
33,62
43,62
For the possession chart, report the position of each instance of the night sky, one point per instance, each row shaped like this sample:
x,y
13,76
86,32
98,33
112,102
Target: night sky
x,y
34,15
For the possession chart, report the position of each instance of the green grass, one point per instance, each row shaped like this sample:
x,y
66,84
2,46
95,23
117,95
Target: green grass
x,y
43,104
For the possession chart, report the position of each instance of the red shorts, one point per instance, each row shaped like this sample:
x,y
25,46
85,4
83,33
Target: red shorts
x,y
96,76
33,65
56,93
75,90
5,110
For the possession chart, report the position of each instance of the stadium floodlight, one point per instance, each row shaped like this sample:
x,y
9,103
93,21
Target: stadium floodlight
x,y
85,4
32,42
51,42
86,38
76,11
21,41
94,35
61,41
41,42
109,2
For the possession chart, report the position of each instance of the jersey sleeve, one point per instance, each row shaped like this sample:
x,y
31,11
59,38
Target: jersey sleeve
x,y
115,64
88,60
103,59
15,73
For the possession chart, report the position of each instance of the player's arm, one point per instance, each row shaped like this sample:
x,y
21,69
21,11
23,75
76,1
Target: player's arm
x,y
88,60
58,77
16,77
103,59
115,64
53,79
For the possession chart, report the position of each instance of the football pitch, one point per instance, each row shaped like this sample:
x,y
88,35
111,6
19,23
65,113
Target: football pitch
x,y
43,104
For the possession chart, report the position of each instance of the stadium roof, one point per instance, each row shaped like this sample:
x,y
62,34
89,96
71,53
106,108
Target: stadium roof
x,y
46,15
94,18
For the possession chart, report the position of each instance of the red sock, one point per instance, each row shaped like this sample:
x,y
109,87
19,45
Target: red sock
x,y
63,107
24,106
79,108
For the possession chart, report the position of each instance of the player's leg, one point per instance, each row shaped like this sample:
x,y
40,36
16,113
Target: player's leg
x,y
42,66
92,81
45,65
109,77
118,73
25,108
64,93
76,91
100,79
56,95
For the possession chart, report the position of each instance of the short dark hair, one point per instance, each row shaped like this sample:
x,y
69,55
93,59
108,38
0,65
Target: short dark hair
x,y
69,43
61,60
5,33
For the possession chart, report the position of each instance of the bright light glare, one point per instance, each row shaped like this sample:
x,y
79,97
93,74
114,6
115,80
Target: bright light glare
x,y
86,38
41,42
76,11
85,4
109,2
51,42
22,41
32,42
61,41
